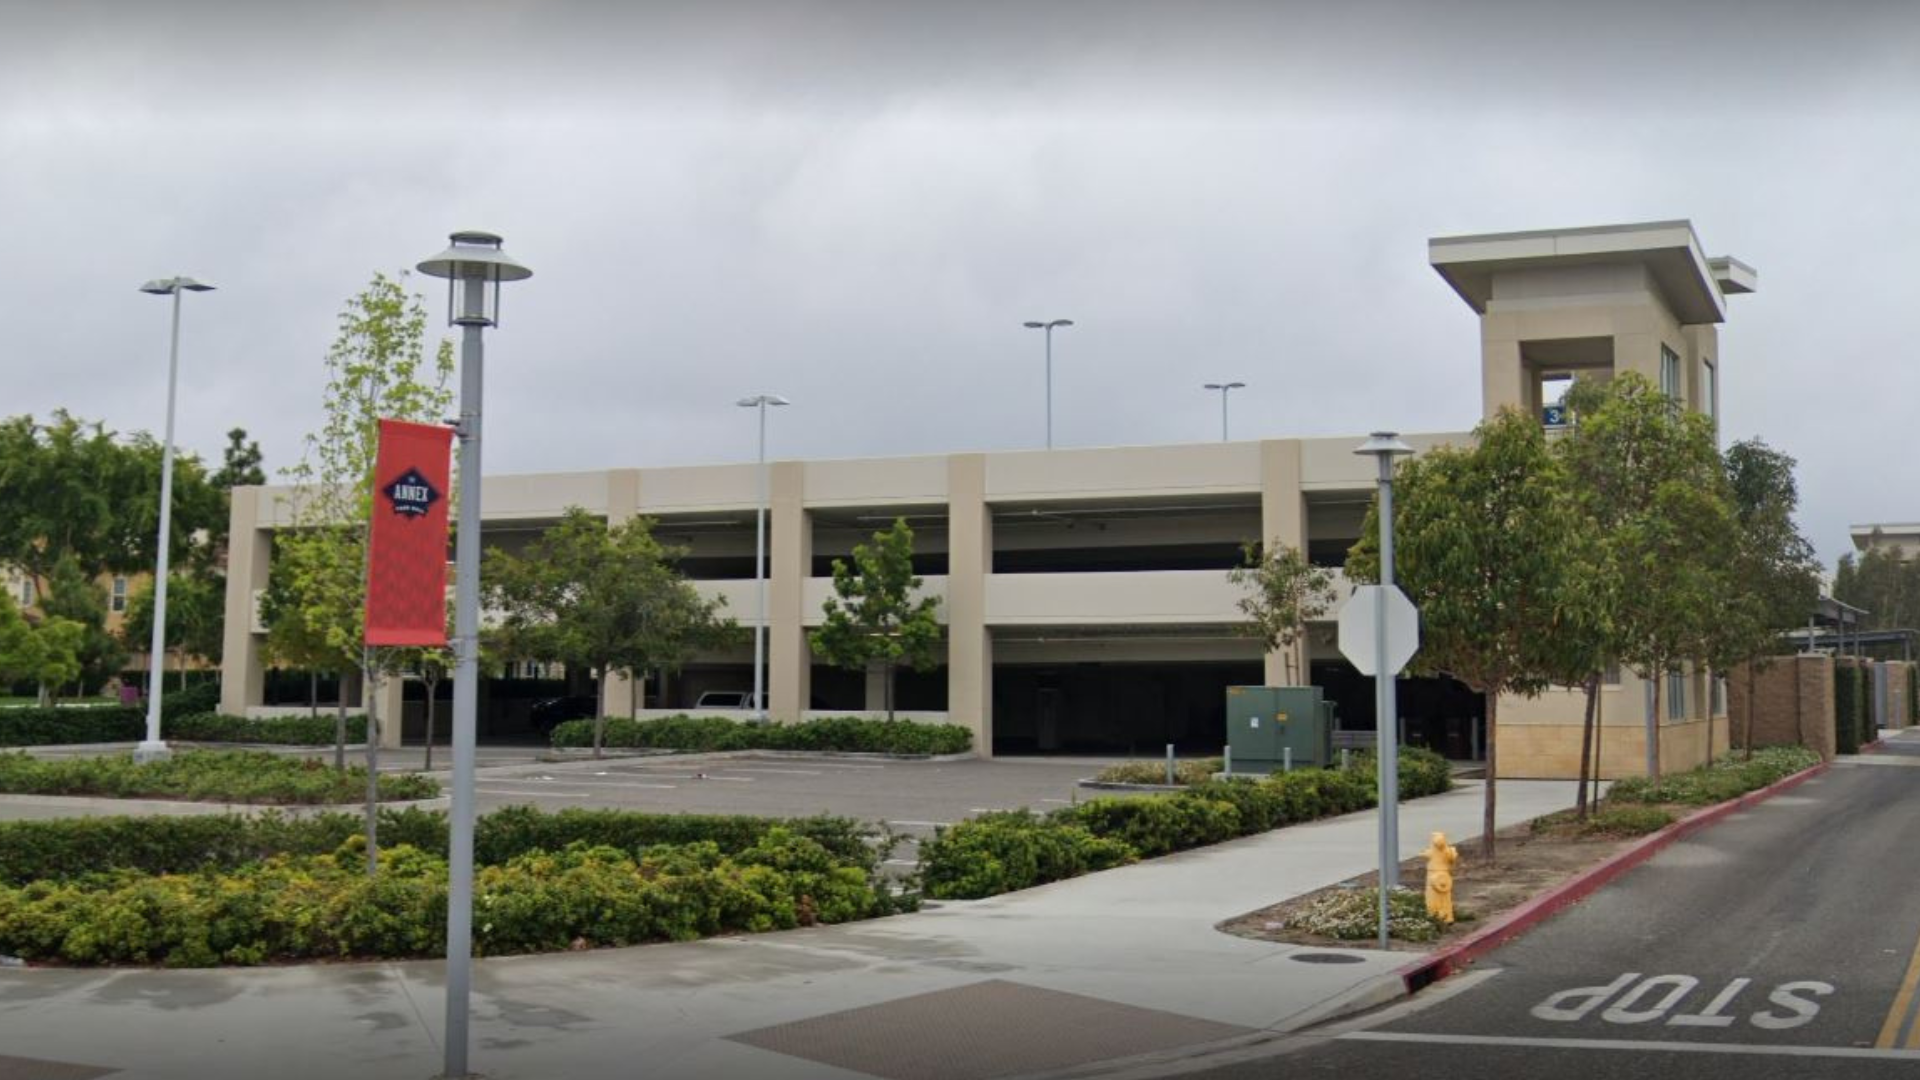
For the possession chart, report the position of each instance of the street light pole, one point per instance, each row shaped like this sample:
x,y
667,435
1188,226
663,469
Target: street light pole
x,y
152,748
475,263
1384,446
1048,327
760,402
1225,389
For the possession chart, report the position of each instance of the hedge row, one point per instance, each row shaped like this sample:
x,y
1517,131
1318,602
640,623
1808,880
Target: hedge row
x,y
234,776
67,848
1727,778
998,853
98,724
1852,717
308,907
853,734
275,730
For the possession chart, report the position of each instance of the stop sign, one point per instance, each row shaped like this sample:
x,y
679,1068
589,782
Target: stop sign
x,y
1357,625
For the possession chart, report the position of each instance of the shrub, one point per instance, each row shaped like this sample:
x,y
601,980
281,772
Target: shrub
x,y
204,776
852,734
1155,826
276,730
1185,771
1846,707
304,907
1727,778
1422,772
1001,852
1609,820
58,726
198,698
72,847
1354,915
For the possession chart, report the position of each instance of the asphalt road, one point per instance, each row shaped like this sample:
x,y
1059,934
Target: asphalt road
x,y
1779,942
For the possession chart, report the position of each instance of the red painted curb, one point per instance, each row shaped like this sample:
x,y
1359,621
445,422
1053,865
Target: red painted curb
x,y
1439,965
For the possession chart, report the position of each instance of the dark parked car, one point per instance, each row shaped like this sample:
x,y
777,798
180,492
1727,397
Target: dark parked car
x,y
549,713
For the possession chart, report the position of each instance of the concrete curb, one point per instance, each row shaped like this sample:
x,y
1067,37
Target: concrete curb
x,y
570,755
1438,965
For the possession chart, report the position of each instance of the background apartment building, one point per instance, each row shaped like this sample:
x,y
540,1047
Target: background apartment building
x,y
1084,591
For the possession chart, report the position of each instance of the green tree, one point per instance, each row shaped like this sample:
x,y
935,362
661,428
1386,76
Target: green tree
x,y
1882,583
1284,593
379,367
1773,578
1480,537
196,619
874,617
1652,487
47,654
74,597
605,600
294,641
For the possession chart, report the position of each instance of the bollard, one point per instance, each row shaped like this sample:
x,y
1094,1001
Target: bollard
x,y
1286,759
1344,753
1226,759
1170,774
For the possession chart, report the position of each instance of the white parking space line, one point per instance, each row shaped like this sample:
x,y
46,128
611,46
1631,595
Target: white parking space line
x,y
921,824
595,780
786,772
901,862
1643,1046
1061,801
486,790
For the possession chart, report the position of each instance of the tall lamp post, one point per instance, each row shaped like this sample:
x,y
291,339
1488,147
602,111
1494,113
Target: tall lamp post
x,y
1048,327
152,748
760,402
1225,389
474,267
1384,446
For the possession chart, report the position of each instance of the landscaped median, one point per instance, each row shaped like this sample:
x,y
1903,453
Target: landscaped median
x,y
1001,852
1539,866
185,716
844,734
232,776
196,892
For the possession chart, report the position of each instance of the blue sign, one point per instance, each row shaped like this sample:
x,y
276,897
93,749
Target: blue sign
x,y
411,494
1555,415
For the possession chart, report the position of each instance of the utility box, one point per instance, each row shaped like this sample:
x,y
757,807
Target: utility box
x,y
1264,723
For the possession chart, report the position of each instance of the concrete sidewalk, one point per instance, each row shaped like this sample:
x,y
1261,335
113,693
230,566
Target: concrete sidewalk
x,y
1066,979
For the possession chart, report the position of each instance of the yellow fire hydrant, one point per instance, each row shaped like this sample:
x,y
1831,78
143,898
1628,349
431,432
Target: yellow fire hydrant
x,y
1440,859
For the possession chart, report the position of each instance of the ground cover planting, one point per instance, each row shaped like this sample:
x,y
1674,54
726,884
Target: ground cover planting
x,y
845,734
234,776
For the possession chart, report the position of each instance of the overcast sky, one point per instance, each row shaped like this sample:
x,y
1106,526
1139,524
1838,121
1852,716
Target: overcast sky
x,y
857,204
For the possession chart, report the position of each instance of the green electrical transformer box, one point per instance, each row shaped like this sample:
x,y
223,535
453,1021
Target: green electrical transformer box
x,y
1265,722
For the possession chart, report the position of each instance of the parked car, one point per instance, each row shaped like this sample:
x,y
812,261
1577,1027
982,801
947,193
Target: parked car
x,y
714,700
549,713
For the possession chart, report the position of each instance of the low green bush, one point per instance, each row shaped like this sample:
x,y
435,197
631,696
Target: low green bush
x,y
306,907
274,730
851,734
64,848
1727,778
1001,852
60,726
1354,915
1156,826
194,700
1607,821
1185,771
205,776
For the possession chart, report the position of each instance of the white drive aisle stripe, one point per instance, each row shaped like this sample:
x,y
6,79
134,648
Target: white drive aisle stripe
x,y
537,794
1646,1046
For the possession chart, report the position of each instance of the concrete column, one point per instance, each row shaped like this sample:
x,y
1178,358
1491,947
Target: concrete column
x,y
969,562
790,550
249,556
1283,519
1503,376
392,701
623,503
877,688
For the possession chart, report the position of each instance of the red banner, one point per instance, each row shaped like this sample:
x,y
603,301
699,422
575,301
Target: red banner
x,y
407,566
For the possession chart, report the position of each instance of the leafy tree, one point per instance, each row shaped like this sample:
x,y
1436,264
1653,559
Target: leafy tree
x,y
1882,583
240,463
600,599
873,616
196,619
1773,577
1651,485
1285,592
1480,537
296,642
74,597
378,368
47,654
74,490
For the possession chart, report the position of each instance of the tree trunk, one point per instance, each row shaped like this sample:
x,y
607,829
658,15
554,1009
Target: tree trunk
x,y
1653,729
1580,804
313,695
1599,730
433,690
371,679
890,671
340,726
1487,807
599,721
183,667
1746,726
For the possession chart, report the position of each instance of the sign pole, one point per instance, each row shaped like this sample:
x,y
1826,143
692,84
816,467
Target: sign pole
x,y
1386,708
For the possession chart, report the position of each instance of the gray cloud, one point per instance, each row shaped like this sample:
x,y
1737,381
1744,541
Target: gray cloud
x,y
857,204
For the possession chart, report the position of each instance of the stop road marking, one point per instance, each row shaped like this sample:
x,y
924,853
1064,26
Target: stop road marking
x,y
1643,1000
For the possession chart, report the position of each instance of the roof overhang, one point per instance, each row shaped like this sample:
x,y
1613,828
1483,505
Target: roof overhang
x,y
1694,286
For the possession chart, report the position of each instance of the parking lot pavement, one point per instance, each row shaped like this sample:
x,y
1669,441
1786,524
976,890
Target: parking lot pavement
x,y
912,797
